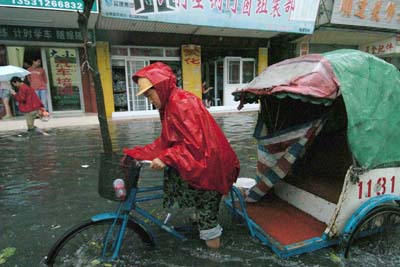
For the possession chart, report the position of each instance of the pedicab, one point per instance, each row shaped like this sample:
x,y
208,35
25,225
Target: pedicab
x,y
328,155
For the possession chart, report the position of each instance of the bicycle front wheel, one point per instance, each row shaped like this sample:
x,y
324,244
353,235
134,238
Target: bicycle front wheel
x,y
83,245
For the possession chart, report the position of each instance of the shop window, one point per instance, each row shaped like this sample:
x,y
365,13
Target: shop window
x,y
123,67
172,52
147,52
248,71
64,79
234,71
240,71
119,51
119,85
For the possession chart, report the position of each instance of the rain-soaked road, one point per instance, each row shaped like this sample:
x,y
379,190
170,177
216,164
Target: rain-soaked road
x,y
49,183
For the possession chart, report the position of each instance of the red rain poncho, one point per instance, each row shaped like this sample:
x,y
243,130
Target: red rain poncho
x,y
190,140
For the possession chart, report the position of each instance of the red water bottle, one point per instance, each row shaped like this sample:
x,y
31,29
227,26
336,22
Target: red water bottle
x,y
119,188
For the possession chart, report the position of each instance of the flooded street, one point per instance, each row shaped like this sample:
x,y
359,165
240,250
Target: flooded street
x,y
49,184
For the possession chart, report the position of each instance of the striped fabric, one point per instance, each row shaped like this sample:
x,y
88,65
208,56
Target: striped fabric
x,y
276,155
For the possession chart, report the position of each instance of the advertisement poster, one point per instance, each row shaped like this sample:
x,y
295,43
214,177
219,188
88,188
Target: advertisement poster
x,y
191,69
64,78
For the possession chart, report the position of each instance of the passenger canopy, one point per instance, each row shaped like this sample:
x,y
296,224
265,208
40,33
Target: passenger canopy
x,y
371,92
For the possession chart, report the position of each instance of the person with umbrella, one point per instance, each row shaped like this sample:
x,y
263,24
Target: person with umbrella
x,y
28,101
6,73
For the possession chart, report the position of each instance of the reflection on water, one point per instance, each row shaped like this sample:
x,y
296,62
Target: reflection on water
x,y
49,183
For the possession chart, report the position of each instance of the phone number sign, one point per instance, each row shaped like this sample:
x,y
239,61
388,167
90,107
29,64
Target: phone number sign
x,y
68,5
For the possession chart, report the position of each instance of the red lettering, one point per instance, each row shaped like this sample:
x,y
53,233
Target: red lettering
x,y
289,6
198,4
276,5
261,7
247,7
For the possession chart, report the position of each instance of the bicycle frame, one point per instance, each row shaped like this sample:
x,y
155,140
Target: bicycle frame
x,y
123,212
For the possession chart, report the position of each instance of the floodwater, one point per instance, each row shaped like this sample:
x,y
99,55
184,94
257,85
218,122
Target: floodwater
x,y
49,184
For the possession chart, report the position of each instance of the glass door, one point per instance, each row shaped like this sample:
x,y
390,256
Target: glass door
x,y
64,78
237,73
136,103
119,85
218,82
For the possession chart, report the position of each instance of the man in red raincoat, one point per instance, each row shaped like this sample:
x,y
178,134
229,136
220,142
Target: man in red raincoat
x,y
203,164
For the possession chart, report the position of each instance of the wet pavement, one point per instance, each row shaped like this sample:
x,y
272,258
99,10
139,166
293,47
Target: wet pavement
x,y
49,184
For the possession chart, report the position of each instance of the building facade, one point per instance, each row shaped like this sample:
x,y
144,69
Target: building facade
x,y
222,43
372,26
48,30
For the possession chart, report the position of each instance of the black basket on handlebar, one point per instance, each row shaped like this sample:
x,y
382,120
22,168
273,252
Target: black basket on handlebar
x,y
112,168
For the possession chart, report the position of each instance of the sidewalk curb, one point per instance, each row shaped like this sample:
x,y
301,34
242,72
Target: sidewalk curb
x,y
87,119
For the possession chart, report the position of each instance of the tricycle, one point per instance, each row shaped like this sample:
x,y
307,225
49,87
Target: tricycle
x,y
328,158
328,155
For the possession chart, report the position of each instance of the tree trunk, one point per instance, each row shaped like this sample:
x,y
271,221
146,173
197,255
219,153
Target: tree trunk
x,y
90,64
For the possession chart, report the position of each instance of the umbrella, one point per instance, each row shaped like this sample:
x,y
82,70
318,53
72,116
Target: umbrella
x,y
9,71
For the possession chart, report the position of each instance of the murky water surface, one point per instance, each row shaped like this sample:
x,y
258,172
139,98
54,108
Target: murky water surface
x,y
49,183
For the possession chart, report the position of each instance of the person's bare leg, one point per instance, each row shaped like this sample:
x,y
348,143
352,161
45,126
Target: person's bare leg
x,y
6,102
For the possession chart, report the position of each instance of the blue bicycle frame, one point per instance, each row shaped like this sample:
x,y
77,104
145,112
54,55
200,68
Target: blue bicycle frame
x,y
123,213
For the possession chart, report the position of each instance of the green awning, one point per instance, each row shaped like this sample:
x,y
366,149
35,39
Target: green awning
x,y
371,92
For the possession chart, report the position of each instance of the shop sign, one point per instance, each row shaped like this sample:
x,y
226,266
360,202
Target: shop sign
x,y
64,81
304,49
41,34
191,69
367,13
271,15
384,47
64,5
262,59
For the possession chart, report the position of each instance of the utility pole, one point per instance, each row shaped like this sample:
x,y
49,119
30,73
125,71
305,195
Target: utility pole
x,y
90,64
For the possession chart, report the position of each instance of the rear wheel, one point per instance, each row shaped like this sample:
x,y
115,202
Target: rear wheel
x,y
83,245
377,236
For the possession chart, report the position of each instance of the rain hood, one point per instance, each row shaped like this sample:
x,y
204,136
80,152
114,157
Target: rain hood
x,y
190,140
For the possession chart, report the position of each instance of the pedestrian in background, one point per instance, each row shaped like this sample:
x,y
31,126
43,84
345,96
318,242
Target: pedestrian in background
x,y
5,93
38,80
206,94
28,101
203,165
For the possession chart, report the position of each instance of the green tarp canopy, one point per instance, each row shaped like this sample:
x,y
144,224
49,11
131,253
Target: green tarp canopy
x,y
371,92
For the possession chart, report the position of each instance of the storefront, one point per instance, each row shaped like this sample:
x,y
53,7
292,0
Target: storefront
x,y
126,60
59,48
227,74
343,24
222,44
387,49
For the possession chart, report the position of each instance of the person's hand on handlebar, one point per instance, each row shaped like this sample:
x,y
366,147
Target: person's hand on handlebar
x,y
157,164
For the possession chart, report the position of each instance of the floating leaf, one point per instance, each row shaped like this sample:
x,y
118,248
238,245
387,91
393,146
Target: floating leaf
x,y
6,253
95,262
334,257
